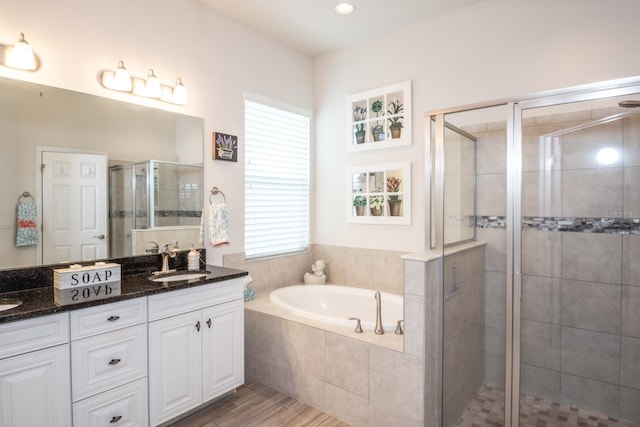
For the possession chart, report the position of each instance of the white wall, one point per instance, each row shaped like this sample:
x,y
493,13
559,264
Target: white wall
x,y
217,58
491,50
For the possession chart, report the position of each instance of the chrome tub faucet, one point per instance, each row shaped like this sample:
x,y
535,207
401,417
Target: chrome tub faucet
x,y
378,330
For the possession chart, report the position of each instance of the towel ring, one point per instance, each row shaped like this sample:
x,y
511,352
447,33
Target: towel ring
x,y
214,192
27,195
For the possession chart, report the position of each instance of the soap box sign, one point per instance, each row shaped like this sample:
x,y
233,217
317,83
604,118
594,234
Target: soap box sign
x,y
86,293
90,275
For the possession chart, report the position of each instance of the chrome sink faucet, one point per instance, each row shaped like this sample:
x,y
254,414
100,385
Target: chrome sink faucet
x,y
167,252
378,330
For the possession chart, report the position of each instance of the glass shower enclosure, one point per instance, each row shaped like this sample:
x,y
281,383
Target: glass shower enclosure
x,y
556,185
152,194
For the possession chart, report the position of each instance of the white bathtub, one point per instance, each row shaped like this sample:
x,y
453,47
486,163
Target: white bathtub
x,y
334,304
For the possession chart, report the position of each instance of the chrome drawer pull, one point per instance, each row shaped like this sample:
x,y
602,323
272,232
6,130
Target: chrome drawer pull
x,y
209,323
116,419
113,318
114,361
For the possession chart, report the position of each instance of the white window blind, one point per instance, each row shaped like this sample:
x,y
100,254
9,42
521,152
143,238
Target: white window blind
x,y
276,181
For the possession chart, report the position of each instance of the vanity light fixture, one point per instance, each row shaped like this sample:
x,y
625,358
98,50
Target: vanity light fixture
x,y
20,56
179,95
122,79
344,8
150,87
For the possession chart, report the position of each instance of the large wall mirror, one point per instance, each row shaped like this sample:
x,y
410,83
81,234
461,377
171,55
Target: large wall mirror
x,y
117,175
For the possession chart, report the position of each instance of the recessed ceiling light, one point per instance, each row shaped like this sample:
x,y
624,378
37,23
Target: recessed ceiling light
x,y
344,8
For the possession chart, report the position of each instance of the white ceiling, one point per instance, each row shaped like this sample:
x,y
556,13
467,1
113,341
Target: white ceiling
x,y
313,28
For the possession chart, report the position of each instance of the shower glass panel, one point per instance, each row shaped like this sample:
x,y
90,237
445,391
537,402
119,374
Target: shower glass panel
x,y
150,195
474,267
580,280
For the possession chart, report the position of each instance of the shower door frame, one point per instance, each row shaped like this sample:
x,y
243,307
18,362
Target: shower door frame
x,y
434,169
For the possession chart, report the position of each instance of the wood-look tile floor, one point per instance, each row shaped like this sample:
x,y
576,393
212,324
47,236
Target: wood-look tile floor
x,y
254,404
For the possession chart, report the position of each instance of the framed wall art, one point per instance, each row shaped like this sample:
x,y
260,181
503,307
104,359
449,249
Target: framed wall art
x,y
380,118
379,194
225,147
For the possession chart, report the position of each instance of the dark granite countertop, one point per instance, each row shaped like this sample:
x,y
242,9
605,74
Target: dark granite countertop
x,y
40,301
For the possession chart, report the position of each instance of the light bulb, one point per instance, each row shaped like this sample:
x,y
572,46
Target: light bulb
x,y
122,79
21,56
152,86
344,8
179,93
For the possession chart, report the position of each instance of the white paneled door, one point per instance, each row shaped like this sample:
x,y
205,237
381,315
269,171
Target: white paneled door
x,y
74,206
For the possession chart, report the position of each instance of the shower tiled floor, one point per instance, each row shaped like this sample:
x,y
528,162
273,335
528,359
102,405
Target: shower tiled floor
x,y
487,410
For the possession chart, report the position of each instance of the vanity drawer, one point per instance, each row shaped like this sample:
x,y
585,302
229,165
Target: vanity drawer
x,y
109,317
33,334
125,406
190,299
105,361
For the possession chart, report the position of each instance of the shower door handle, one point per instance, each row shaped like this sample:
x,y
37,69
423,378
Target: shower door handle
x,y
101,237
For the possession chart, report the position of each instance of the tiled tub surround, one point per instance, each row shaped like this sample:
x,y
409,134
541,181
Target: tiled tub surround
x,y
580,290
367,379
362,268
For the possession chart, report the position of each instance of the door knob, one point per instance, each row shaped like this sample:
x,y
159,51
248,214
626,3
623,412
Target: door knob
x,y
101,237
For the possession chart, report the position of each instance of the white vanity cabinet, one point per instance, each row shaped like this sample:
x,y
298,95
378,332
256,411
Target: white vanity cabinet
x,y
109,364
196,347
34,372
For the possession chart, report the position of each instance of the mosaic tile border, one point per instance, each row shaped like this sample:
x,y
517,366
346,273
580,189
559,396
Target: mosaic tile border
x,y
583,225
158,213
567,224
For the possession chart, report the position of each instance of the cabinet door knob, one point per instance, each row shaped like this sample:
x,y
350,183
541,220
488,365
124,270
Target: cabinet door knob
x,y
209,322
112,318
115,419
114,361
198,326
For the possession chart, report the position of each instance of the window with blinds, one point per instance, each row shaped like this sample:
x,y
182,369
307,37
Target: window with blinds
x,y
276,180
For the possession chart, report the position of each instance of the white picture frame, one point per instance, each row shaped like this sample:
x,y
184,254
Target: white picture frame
x,y
373,116
372,183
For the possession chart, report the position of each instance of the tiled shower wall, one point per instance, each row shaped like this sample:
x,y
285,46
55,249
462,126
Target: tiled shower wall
x,y
464,333
580,289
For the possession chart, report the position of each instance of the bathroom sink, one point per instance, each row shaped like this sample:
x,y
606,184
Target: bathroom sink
x,y
9,303
174,277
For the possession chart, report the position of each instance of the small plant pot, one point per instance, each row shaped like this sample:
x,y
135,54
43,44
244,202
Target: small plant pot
x,y
360,136
376,212
378,136
394,207
395,133
360,210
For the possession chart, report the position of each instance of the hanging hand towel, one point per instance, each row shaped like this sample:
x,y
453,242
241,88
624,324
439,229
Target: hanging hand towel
x,y
201,236
27,234
218,224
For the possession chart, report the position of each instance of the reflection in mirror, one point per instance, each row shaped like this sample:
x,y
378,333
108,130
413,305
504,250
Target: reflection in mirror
x,y
151,201
36,119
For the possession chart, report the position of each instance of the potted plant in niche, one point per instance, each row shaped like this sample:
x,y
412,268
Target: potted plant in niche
x,y
359,114
376,202
377,130
393,186
395,122
359,202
